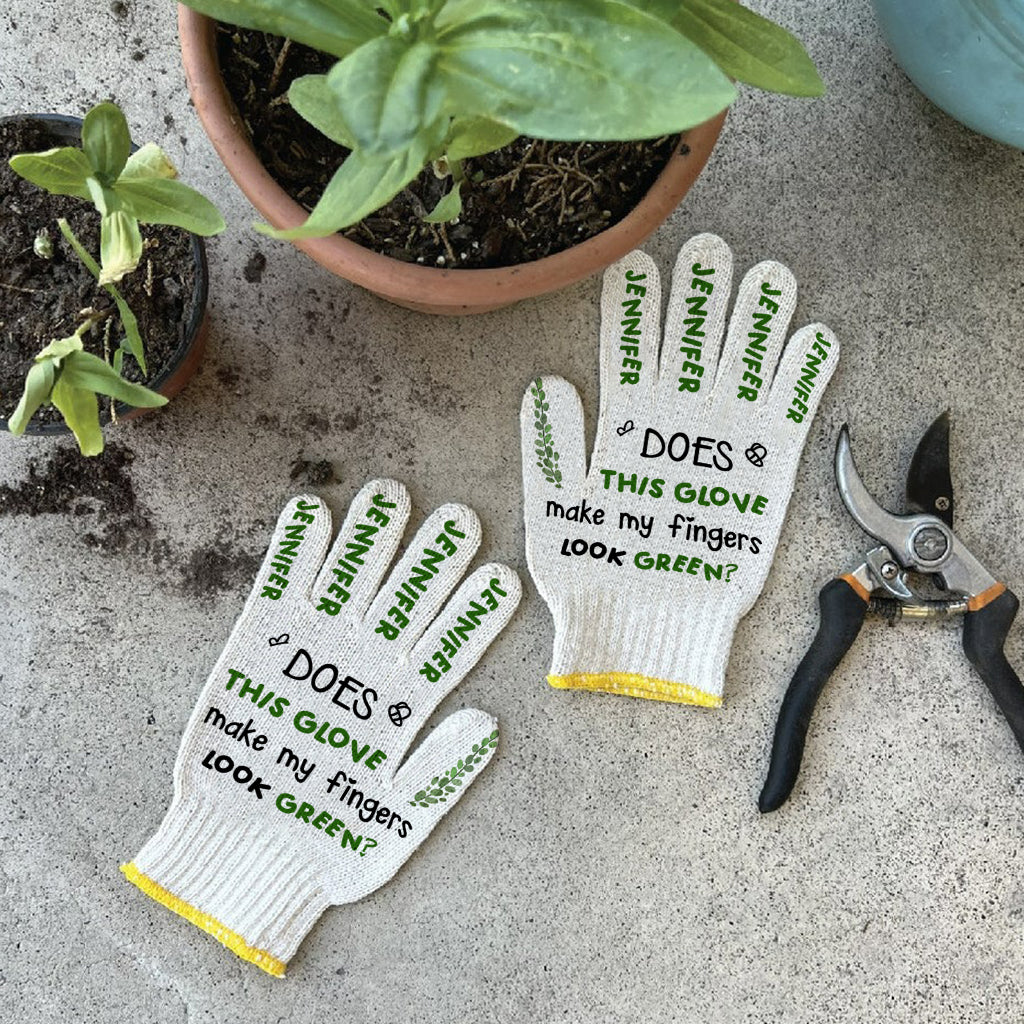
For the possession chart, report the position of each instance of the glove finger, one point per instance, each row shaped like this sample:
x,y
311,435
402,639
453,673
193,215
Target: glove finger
x,y
630,332
810,359
296,550
479,610
551,422
426,574
757,331
695,323
440,770
363,550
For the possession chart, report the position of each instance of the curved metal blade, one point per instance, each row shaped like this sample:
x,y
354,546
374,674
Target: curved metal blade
x,y
881,524
921,541
929,484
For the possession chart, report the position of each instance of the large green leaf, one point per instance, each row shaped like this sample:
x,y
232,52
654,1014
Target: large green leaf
x,y
62,171
81,412
120,246
38,384
474,136
364,183
576,69
106,141
749,47
334,26
162,201
89,372
387,91
315,101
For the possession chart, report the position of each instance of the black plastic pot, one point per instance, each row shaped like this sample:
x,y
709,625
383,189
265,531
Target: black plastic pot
x,y
171,378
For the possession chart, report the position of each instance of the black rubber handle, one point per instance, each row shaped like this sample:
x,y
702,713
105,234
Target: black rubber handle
x,y
842,614
984,635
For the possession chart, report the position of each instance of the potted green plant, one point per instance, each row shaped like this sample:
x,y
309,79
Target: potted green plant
x,y
78,326
420,98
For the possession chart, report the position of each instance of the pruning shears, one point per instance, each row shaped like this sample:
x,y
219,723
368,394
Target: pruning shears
x,y
923,542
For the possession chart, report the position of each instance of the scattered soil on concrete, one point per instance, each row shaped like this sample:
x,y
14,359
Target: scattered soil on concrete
x,y
253,271
99,492
42,299
97,489
218,567
532,198
313,474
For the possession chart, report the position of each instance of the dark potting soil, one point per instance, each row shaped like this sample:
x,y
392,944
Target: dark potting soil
x,y
533,199
42,299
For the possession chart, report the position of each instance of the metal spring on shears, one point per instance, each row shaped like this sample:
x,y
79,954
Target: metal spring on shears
x,y
890,609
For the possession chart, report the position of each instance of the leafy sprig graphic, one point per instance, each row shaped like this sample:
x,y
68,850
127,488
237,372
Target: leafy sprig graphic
x,y
547,457
443,785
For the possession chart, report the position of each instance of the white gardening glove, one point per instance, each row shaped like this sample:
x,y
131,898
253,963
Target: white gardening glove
x,y
649,558
292,791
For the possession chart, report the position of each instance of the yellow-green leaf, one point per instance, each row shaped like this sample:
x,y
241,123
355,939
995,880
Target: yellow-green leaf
x,y
475,136
162,201
749,47
150,161
38,384
448,207
120,246
62,171
106,141
81,412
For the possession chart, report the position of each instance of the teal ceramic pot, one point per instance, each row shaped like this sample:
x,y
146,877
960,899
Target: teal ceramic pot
x,y
966,56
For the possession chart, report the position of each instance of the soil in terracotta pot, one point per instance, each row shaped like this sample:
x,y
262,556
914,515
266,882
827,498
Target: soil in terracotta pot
x,y
42,299
533,198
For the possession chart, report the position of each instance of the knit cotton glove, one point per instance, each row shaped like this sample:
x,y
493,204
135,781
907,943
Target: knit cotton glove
x,y
649,559
292,791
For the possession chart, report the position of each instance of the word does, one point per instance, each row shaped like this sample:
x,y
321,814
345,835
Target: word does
x,y
704,452
325,676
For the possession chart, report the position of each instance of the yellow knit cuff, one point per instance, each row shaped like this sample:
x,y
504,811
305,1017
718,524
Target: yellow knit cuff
x,y
260,957
633,685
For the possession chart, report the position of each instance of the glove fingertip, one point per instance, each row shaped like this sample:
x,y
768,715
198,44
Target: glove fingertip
x,y
806,367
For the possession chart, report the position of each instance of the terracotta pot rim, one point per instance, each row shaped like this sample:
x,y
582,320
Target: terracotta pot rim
x,y
396,279
67,128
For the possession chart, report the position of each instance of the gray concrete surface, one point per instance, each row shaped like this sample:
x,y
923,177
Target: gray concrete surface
x,y
611,865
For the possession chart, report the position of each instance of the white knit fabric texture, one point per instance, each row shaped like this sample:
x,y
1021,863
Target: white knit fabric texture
x,y
650,610
372,661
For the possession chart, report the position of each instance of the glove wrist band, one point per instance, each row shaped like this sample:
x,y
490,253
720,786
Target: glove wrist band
x,y
257,898
671,652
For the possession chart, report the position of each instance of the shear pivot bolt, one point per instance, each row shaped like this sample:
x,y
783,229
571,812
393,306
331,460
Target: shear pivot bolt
x,y
930,544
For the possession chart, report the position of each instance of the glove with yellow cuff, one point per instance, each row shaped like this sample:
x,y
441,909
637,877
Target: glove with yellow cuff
x,y
649,558
288,795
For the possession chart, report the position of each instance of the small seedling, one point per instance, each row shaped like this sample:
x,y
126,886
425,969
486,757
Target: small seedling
x,y
127,189
65,376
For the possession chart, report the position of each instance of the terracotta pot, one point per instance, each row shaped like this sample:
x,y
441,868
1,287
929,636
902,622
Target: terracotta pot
x,y
184,362
429,289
